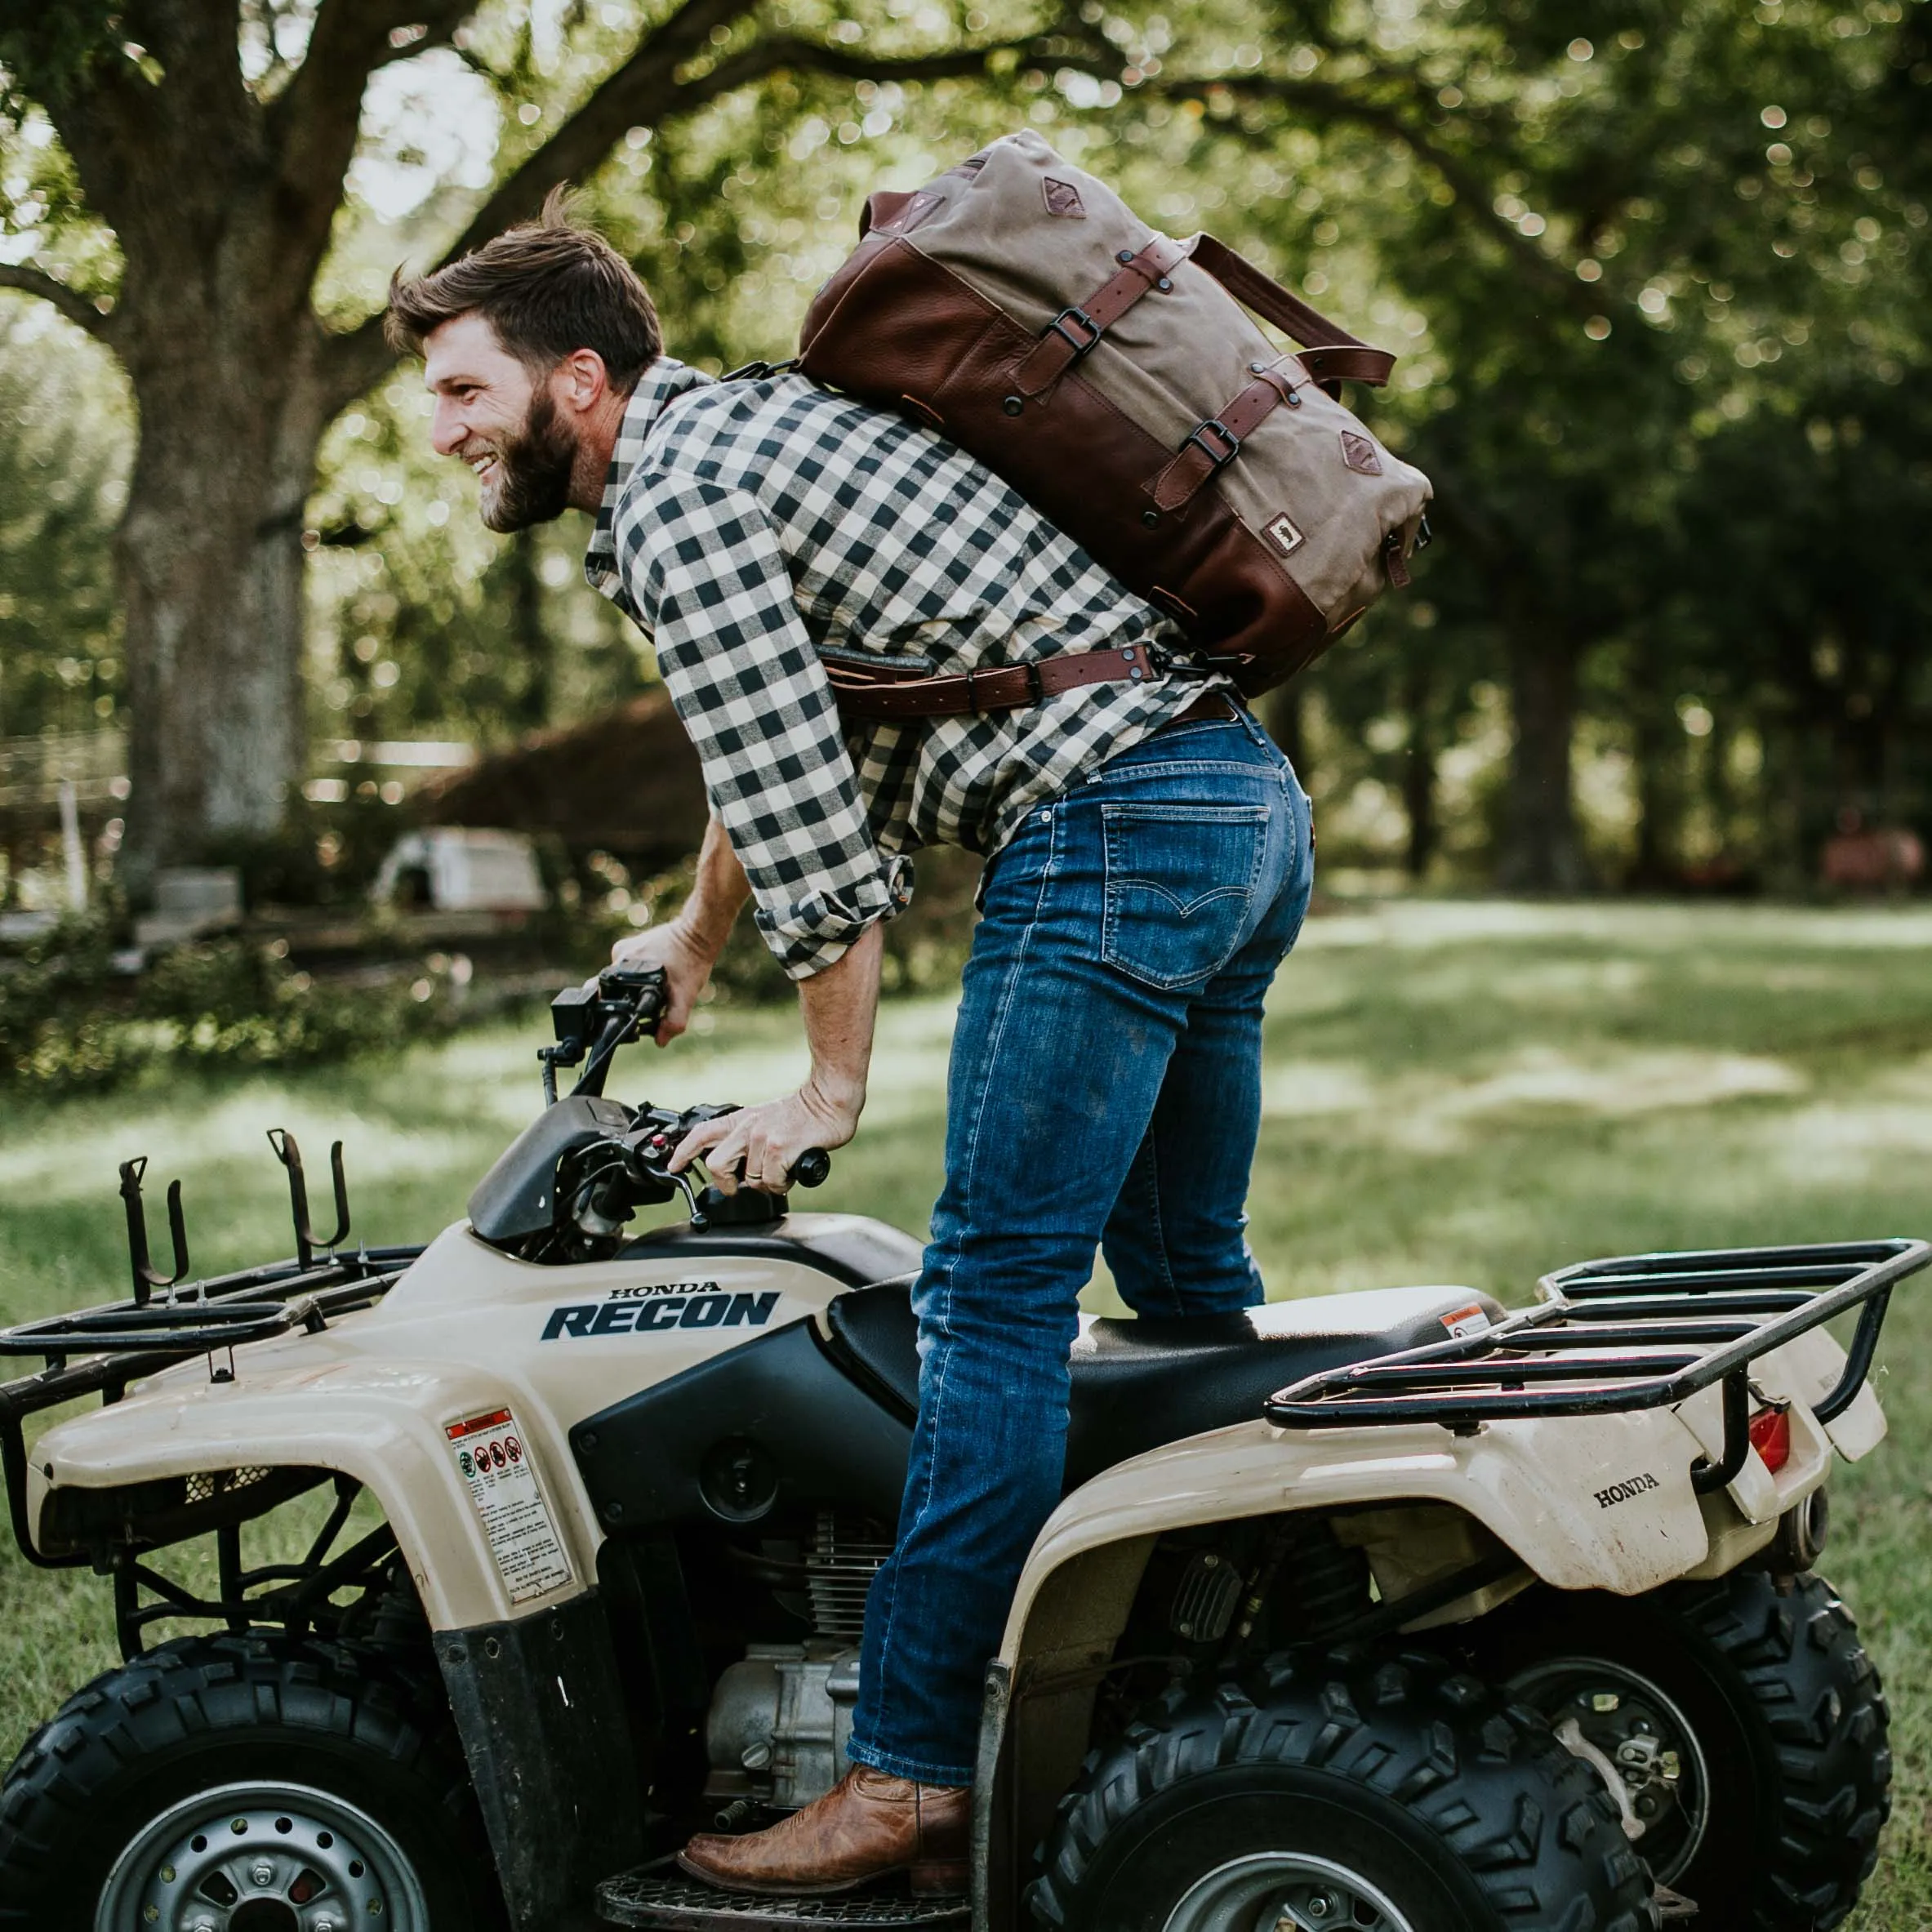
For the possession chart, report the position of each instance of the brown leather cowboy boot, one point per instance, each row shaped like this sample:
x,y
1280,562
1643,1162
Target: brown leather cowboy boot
x,y
866,1826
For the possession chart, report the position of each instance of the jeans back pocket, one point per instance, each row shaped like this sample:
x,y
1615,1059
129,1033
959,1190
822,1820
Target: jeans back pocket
x,y
1180,886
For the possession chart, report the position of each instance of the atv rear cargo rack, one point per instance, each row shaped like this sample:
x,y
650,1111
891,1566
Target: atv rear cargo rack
x,y
1640,1331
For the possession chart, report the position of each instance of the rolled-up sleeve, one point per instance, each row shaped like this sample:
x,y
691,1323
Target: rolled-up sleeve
x,y
707,578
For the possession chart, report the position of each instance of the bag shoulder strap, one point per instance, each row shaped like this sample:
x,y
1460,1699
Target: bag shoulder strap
x,y
1330,354
880,696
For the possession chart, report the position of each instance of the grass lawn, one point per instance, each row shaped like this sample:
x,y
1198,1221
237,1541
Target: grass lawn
x,y
1472,1093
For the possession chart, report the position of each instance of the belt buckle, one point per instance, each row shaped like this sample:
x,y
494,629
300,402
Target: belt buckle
x,y
1035,689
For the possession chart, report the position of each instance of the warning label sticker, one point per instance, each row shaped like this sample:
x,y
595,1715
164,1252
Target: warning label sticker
x,y
1471,1320
489,1452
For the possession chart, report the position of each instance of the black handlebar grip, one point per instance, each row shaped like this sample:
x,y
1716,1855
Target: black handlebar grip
x,y
813,1166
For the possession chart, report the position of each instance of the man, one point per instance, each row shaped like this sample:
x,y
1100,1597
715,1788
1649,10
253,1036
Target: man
x,y
1148,865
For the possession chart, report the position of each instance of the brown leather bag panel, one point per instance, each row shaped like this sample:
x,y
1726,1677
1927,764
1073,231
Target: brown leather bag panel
x,y
892,325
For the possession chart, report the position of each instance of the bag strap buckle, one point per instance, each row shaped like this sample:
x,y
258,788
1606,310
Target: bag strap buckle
x,y
1077,318
1219,458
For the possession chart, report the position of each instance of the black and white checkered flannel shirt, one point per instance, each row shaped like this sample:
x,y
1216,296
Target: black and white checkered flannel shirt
x,y
754,529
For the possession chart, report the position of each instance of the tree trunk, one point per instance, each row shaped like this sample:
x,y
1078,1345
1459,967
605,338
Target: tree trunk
x,y
1657,752
222,208
1540,851
535,652
210,563
1419,767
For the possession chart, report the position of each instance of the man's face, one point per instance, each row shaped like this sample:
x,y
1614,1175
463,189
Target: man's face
x,y
492,414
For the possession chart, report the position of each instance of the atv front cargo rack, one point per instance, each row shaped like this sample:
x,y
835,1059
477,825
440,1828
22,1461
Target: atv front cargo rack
x,y
99,1352
1642,1331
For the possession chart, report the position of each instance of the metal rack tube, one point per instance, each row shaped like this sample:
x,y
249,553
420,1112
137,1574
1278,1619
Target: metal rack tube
x,y
1858,1361
1706,1476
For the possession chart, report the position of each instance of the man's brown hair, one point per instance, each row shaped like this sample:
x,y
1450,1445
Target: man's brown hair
x,y
547,287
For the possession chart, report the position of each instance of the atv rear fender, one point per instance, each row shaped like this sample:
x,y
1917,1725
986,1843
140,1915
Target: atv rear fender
x,y
1602,1503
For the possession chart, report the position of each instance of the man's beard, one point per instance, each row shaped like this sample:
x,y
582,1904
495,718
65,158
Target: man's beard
x,y
533,470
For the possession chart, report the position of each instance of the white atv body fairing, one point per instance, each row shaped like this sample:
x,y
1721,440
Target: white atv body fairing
x,y
468,1333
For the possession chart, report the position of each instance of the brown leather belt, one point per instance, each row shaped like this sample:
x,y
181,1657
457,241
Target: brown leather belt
x,y
882,696
1215,705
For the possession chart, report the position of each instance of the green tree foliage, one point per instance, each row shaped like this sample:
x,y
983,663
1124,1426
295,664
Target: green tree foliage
x,y
62,470
1658,273
1664,260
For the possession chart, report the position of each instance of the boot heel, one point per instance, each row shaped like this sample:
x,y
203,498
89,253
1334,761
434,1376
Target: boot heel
x,y
930,1880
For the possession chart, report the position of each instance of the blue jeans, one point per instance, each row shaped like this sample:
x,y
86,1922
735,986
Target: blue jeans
x,y
1105,1090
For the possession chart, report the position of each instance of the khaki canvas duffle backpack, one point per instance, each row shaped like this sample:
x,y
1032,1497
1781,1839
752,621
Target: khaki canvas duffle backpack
x,y
1115,378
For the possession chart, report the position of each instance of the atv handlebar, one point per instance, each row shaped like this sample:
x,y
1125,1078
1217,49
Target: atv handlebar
x,y
627,1004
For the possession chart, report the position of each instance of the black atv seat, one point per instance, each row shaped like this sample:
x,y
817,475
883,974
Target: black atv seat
x,y
1138,1384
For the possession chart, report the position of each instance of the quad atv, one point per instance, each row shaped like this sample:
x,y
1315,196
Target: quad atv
x,y
1394,1612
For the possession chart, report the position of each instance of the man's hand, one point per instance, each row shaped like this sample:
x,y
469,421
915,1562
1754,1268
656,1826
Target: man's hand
x,y
687,947
687,969
758,1147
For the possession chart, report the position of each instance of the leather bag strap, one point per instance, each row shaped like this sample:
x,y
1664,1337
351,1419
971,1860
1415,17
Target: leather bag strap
x,y
881,696
1217,441
1074,330
1331,355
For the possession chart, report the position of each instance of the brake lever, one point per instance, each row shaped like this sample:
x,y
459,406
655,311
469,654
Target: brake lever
x,y
653,1144
701,1221
663,1176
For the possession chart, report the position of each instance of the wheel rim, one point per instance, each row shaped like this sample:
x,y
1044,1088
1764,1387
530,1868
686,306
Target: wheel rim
x,y
1644,1734
1285,1891
263,1858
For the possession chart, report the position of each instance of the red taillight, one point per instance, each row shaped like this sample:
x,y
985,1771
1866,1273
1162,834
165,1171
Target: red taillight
x,y
1770,1437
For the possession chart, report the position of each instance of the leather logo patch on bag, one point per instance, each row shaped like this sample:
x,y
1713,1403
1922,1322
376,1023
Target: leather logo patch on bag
x,y
1063,198
1359,453
1283,534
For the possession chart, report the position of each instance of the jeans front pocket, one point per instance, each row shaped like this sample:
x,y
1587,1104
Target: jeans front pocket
x,y
1180,885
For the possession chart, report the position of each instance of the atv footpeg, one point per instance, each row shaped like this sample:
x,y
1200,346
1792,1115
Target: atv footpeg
x,y
652,1897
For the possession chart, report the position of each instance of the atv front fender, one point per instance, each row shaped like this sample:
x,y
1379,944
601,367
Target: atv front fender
x,y
386,1426
533,1685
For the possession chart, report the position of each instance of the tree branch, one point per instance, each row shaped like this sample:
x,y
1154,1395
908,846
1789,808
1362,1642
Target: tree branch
x,y
646,91
70,302
313,122
1328,102
642,92
809,57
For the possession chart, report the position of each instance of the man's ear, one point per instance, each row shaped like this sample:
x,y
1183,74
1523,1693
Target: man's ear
x,y
581,381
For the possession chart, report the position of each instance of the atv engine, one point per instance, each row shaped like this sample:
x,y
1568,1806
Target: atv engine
x,y
781,1718
780,1723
